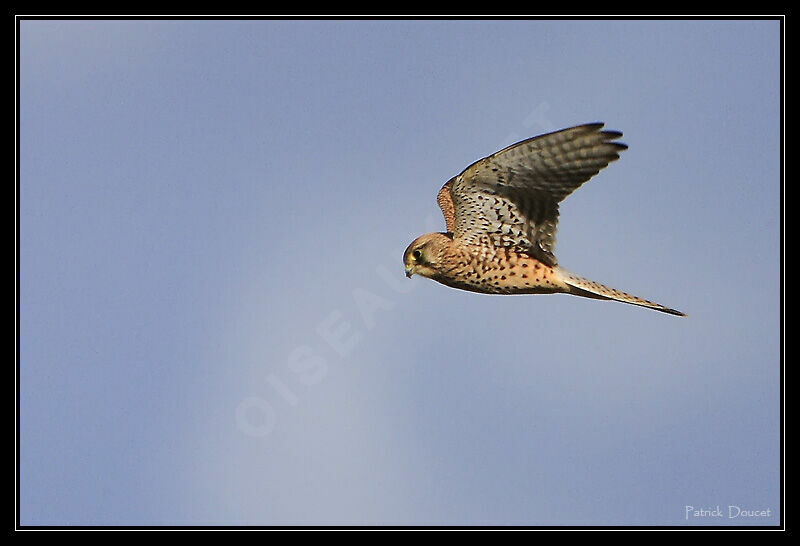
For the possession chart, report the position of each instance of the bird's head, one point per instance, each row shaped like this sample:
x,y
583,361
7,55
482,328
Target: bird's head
x,y
423,256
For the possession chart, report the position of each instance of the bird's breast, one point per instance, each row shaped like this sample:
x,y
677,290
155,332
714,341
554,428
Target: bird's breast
x,y
498,272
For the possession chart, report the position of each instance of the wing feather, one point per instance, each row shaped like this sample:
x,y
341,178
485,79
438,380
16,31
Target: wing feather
x,y
445,200
510,198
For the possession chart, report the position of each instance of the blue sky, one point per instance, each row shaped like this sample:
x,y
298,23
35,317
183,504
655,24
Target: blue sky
x,y
215,327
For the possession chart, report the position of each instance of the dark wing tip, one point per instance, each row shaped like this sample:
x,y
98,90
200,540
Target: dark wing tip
x,y
611,135
608,135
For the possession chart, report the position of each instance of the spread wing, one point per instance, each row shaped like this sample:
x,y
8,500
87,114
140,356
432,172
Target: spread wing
x,y
510,199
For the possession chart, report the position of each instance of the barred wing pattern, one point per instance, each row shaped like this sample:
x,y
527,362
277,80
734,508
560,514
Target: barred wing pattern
x,y
510,199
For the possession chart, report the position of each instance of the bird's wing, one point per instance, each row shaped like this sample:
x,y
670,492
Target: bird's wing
x,y
510,199
445,200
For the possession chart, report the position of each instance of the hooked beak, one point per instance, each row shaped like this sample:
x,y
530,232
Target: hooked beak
x,y
409,271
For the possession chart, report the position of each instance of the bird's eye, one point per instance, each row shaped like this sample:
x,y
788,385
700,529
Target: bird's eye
x,y
417,254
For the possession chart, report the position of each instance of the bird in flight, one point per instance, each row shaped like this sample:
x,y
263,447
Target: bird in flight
x,y
501,214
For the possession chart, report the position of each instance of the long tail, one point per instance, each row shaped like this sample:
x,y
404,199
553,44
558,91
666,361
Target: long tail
x,y
590,289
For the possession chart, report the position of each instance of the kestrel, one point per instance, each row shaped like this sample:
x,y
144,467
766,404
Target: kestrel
x,y
501,214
